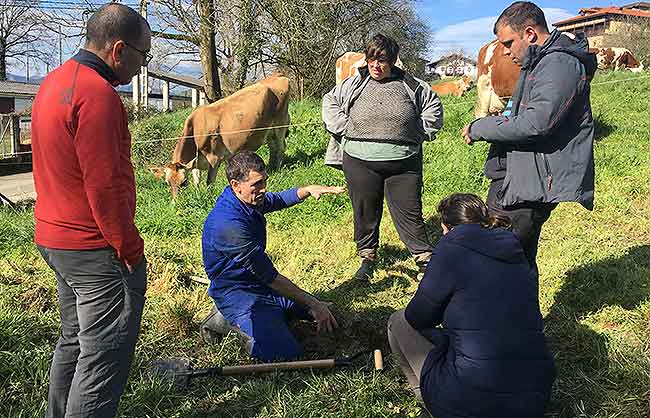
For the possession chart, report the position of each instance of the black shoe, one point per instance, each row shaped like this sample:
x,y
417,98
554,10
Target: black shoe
x,y
364,274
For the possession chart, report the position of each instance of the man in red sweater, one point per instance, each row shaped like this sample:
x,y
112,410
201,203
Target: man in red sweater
x,y
85,212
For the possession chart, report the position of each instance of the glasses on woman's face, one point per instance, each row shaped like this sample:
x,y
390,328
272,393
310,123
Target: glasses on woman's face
x,y
378,62
146,56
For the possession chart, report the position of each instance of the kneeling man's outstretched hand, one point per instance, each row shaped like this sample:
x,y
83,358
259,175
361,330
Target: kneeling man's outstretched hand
x,y
317,190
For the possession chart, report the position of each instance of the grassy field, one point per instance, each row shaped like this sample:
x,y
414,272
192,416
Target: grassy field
x,y
594,284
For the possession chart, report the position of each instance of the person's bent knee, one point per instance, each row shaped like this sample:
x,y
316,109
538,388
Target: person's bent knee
x,y
269,353
397,319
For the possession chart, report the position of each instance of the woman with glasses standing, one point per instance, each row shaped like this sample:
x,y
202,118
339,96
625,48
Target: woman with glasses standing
x,y
379,119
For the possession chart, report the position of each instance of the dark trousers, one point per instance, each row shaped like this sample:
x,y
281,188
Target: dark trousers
x,y
409,348
527,219
401,182
100,303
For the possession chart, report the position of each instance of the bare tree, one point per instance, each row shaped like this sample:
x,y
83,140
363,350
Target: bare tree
x,y
306,37
191,22
633,34
238,39
21,34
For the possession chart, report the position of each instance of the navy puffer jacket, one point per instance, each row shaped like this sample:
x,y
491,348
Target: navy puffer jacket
x,y
490,357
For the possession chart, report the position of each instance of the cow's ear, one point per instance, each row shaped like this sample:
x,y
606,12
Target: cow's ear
x,y
157,171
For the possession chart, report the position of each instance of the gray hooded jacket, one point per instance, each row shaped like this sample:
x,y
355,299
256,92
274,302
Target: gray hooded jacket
x,y
337,104
548,141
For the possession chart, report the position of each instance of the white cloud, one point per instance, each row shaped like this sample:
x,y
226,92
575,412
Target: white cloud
x,y
471,35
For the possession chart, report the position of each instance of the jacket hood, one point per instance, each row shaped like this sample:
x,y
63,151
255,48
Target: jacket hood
x,y
560,42
497,243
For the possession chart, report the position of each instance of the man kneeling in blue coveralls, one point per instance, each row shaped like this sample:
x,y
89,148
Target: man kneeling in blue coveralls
x,y
251,297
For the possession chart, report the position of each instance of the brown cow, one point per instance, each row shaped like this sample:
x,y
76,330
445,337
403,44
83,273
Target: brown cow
x,y
455,87
237,122
496,79
616,59
347,64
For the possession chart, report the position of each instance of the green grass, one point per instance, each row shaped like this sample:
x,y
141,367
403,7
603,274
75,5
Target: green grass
x,y
594,284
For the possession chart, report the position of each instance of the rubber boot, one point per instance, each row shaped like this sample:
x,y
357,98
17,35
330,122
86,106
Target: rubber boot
x,y
214,327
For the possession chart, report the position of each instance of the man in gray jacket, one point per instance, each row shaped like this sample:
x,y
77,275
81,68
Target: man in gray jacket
x,y
541,153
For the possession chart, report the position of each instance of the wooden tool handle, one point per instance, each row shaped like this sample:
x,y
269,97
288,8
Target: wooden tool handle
x,y
379,360
269,367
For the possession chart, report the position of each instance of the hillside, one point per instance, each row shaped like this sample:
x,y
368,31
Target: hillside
x,y
594,283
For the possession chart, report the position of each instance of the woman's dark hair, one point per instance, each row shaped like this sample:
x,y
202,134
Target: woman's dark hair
x,y
240,164
383,48
467,208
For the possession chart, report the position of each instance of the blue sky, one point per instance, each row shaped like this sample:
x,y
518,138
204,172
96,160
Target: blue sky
x,y
456,24
467,24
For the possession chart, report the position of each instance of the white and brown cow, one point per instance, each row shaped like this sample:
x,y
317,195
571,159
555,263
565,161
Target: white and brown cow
x,y
455,87
497,74
612,58
496,79
242,121
347,65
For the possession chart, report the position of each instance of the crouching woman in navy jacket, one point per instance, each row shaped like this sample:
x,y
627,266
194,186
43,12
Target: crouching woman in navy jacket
x,y
490,358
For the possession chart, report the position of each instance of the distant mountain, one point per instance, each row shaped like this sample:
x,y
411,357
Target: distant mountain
x,y
179,90
22,79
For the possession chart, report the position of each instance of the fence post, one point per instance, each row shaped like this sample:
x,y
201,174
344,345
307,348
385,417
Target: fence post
x,y
15,132
165,96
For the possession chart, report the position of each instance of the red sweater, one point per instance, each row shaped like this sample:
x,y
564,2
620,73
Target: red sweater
x,y
82,162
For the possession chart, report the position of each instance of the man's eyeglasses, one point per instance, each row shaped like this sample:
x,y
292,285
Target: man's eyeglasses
x,y
145,55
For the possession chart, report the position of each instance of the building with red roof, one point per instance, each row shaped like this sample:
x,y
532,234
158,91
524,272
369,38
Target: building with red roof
x,y
596,22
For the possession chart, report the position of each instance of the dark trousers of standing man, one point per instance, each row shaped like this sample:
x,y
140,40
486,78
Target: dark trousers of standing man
x,y
101,305
527,219
401,182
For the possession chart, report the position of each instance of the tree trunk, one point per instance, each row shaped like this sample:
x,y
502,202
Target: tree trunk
x,y
242,72
208,51
3,61
246,46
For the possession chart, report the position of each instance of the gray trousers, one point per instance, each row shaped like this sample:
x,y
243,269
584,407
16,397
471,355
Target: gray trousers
x,y
101,305
409,348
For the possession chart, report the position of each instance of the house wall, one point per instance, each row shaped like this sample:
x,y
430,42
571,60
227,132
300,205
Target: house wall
x,y
455,68
596,31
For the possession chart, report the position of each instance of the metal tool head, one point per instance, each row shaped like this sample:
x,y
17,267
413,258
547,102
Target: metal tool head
x,y
176,370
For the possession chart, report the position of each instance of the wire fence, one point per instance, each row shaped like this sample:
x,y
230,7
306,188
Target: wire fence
x,y
314,123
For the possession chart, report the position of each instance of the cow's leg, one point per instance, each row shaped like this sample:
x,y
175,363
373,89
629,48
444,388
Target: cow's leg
x,y
196,176
483,93
277,146
212,171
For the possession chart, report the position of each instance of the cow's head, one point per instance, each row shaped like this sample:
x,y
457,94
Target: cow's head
x,y
174,175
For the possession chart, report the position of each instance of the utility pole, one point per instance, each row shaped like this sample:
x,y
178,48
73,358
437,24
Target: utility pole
x,y
144,74
140,82
60,46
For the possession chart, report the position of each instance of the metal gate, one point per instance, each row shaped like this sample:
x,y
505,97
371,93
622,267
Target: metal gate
x,y
9,136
